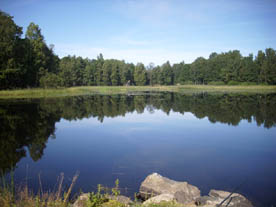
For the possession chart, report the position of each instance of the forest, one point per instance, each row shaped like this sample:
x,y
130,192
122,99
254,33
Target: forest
x,y
28,62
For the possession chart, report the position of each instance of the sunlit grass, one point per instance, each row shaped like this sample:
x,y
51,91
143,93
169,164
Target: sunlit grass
x,y
21,196
86,90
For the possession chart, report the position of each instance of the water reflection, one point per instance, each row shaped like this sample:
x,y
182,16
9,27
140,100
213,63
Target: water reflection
x,y
27,125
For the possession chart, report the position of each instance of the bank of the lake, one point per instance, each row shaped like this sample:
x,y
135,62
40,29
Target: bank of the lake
x,y
88,90
155,191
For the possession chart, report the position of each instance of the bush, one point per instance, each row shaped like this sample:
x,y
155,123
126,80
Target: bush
x,y
216,83
233,83
248,83
188,83
51,80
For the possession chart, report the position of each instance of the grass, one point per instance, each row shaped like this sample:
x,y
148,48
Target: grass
x,y
88,90
11,196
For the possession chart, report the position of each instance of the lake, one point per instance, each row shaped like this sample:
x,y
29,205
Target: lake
x,y
213,141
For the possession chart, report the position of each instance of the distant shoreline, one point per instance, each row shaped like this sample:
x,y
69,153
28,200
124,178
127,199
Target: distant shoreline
x,y
109,90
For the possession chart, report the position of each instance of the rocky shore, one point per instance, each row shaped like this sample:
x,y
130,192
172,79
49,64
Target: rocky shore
x,y
156,189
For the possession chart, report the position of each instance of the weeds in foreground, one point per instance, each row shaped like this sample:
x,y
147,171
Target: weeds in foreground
x,y
104,197
23,197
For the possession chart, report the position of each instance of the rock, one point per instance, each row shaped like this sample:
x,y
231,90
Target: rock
x,y
157,199
122,199
82,200
156,184
217,196
205,200
236,200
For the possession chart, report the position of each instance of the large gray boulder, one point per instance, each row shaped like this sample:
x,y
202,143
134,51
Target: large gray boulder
x,y
156,184
216,197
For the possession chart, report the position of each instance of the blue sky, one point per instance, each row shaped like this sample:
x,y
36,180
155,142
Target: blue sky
x,y
149,30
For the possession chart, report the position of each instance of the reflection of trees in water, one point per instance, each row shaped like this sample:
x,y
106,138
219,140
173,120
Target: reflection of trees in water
x,y
23,125
29,124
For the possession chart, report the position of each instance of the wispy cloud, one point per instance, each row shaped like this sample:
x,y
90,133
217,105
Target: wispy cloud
x,y
147,11
146,56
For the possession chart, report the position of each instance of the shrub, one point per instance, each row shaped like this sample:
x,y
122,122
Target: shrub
x,y
233,83
51,80
248,83
188,83
216,83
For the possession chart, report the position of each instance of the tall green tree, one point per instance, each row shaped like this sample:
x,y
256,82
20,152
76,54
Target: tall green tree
x,y
10,66
167,74
248,71
268,68
140,76
41,57
89,77
115,74
106,74
99,70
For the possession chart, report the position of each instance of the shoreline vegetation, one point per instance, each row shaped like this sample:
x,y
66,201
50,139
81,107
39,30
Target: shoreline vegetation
x,y
110,90
154,191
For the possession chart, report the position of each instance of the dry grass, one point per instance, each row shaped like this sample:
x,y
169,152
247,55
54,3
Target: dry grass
x,y
86,90
23,197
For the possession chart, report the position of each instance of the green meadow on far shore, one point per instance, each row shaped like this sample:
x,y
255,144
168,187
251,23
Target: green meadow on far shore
x,y
109,90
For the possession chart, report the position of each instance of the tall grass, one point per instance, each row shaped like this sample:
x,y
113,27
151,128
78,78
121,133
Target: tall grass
x,y
22,196
86,90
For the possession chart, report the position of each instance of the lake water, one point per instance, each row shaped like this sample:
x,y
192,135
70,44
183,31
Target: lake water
x,y
213,141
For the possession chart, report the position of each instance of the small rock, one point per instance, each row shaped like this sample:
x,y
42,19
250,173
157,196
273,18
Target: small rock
x,y
235,200
217,196
205,200
82,200
122,199
222,194
157,199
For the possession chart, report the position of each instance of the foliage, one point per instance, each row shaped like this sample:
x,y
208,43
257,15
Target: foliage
x,y
51,80
115,190
140,77
30,62
96,199
216,83
101,199
248,83
233,83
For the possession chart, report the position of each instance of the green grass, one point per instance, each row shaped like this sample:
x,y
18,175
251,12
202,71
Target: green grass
x,y
86,90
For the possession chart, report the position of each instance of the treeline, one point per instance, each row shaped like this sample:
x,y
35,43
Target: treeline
x,y
30,62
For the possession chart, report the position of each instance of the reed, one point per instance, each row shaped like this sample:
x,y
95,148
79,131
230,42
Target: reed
x,y
21,196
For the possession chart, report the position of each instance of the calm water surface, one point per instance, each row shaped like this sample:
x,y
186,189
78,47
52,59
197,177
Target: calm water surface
x,y
211,141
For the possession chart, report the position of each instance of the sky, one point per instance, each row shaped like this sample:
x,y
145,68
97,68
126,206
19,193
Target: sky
x,y
149,31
